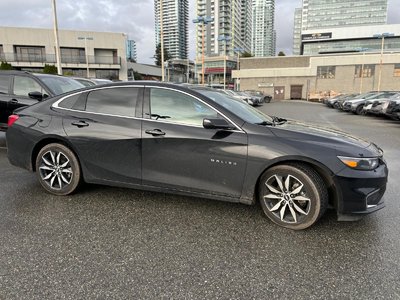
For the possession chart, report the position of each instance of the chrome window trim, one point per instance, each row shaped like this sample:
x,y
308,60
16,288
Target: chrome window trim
x,y
56,105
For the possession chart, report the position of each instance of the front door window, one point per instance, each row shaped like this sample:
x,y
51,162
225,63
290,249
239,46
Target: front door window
x,y
175,107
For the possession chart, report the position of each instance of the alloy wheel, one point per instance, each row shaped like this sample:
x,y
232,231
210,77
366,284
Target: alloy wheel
x,y
287,199
55,169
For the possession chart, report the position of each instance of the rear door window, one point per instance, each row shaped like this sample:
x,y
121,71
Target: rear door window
x,y
119,101
4,84
24,85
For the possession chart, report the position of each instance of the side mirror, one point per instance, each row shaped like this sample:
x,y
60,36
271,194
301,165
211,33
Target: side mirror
x,y
37,96
216,124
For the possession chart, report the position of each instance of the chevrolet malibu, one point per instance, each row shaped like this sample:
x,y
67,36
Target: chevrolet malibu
x,y
200,142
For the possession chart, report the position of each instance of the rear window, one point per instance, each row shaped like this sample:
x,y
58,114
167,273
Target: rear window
x,y
119,101
4,84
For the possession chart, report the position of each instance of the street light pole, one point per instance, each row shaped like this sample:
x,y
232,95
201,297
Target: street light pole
x,y
55,25
238,51
202,54
362,67
187,71
381,36
224,39
86,53
162,41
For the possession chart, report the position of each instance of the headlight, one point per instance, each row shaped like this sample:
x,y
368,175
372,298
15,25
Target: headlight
x,y
360,163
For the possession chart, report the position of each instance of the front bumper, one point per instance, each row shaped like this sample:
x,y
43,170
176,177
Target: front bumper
x,y
360,192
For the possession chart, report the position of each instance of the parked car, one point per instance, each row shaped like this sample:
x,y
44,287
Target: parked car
x,y
239,96
19,88
199,142
264,98
378,106
393,109
335,101
339,103
251,99
356,105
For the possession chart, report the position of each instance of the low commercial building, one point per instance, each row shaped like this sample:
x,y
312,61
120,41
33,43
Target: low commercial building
x,y
302,77
350,39
214,67
83,53
138,71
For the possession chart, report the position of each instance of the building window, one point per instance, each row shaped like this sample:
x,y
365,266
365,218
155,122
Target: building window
x,y
396,70
73,55
364,71
326,72
30,54
2,57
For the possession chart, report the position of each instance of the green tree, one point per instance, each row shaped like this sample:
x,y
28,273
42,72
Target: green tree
x,y
247,54
50,69
5,66
281,53
137,75
157,56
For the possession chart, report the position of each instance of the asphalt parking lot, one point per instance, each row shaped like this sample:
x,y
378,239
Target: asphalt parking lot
x,y
113,243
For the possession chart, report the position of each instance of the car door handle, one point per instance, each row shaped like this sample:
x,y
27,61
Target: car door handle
x,y
80,124
13,101
155,132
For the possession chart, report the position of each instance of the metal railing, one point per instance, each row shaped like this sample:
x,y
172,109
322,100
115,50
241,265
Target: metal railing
x,y
66,59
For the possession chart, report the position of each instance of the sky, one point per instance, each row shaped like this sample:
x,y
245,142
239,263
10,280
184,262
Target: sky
x,y
135,18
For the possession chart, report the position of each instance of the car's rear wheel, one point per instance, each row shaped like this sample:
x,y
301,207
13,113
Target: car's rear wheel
x,y
58,169
293,195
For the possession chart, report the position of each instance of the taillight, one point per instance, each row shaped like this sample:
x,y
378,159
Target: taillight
x,y
12,119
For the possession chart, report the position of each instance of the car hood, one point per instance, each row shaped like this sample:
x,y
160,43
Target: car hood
x,y
318,134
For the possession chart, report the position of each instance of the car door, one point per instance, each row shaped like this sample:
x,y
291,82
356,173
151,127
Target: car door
x,y
5,81
21,87
104,129
179,153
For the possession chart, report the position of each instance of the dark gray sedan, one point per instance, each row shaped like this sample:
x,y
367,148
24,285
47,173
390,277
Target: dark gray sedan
x,y
196,141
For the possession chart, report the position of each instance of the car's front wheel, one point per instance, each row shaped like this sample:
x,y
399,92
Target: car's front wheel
x,y
58,169
293,195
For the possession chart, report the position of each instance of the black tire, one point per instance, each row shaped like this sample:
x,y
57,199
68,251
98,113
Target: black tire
x,y
58,169
302,205
359,110
336,105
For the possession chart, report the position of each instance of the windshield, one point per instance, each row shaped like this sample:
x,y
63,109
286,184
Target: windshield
x,y
237,107
59,85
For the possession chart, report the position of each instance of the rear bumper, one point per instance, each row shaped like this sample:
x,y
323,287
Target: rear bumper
x,y
360,192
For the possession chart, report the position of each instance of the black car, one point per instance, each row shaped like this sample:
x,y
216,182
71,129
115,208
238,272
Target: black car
x,y
19,88
196,141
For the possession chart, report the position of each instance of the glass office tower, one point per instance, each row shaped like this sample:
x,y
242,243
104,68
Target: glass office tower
x,y
342,13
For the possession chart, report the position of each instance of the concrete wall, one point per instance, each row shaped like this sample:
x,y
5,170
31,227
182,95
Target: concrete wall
x,y
266,73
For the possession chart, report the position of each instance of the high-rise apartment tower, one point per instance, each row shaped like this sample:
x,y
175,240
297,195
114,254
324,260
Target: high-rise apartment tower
x,y
175,18
263,34
231,21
